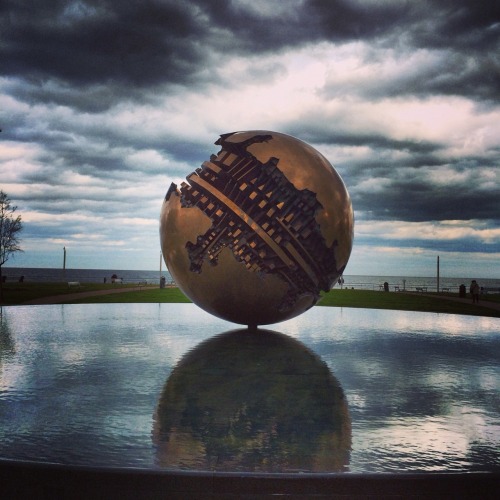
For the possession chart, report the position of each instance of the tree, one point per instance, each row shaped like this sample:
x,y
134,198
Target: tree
x,y
10,226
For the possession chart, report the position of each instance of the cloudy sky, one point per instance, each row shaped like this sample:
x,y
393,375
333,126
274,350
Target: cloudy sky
x,y
104,103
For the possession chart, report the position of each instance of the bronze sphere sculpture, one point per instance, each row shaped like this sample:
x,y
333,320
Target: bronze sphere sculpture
x,y
258,231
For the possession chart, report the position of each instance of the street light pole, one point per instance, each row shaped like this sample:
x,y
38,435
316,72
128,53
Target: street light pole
x,y
438,274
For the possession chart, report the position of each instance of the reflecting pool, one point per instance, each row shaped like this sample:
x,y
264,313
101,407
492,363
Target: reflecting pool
x,y
167,386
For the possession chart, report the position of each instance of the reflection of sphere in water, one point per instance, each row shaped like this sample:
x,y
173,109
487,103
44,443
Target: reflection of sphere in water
x,y
252,401
257,232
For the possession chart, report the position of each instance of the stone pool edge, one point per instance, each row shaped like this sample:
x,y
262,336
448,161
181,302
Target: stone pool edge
x,y
21,479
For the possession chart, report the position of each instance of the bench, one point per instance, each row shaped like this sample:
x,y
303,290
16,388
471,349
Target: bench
x,y
445,289
117,280
421,289
142,284
73,283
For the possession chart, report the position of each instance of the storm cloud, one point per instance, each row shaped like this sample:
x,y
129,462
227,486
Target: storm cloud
x,y
104,103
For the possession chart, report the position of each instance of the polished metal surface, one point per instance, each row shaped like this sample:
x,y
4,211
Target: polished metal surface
x,y
258,231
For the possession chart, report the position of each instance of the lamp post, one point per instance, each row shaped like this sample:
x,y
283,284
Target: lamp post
x,y
438,274
64,262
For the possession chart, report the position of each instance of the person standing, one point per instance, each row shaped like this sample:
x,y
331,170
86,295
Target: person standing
x,y
474,290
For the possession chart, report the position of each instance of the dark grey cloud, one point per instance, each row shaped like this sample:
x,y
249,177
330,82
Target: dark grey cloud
x,y
419,200
90,56
85,78
463,37
98,41
411,194
471,26
344,20
476,77
464,24
91,98
151,41
318,132
126,46
468,244
450,73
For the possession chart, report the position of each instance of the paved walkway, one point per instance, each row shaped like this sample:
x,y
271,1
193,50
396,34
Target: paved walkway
x,y
67,297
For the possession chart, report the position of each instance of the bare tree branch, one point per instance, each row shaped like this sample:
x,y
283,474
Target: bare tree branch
x,y
10,226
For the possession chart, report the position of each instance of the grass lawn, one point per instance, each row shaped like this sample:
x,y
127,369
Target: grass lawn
x,y
154,295
406,302
17,293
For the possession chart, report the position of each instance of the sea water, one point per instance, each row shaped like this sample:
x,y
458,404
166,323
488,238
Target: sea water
x,y
410,283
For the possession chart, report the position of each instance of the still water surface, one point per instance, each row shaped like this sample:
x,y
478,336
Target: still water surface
x,y
169,386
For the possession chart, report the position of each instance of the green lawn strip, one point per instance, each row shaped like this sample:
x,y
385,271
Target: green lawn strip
x,y
147,295
401,301
17,293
